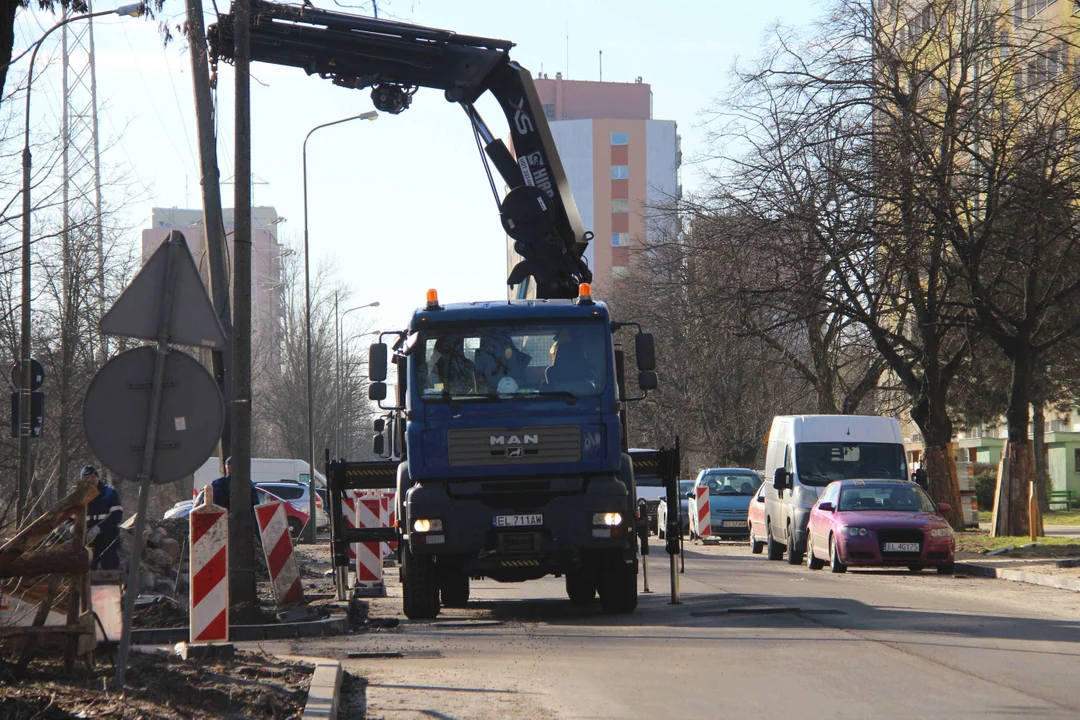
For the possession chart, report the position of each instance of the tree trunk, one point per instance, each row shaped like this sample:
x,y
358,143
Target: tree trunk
x,y
1014,481
7,39
1042,469
938,460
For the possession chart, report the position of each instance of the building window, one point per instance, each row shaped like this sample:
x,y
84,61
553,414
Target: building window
x,y
620,172
549,111
620,239
620,207
619,272
620,138
1076,460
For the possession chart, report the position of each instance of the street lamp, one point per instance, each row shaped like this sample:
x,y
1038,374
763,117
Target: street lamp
x,y
338,375
25,416
370,115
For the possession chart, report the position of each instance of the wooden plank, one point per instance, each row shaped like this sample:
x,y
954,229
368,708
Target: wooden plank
x,y
84,492
48,564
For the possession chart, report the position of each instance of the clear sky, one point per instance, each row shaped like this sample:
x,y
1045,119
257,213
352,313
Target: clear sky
x,y
401,204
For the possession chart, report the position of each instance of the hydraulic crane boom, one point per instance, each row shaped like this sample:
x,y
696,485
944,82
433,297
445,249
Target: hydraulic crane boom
x,y
395,59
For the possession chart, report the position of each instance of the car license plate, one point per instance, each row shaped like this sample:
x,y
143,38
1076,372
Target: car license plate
x,y
733,523
901,547
517,520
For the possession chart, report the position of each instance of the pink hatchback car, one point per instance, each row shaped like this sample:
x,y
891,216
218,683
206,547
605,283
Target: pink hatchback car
x,y
883,523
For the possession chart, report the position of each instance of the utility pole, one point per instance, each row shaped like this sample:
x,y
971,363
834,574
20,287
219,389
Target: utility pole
x,y
241,531
213,220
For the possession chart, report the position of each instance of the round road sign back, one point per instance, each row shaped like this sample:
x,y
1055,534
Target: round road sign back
x,y
116,406
37,374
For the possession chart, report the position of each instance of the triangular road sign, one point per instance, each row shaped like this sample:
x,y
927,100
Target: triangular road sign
x,y
137,312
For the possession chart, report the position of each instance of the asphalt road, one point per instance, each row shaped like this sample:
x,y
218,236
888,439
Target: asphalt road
x,y
752,639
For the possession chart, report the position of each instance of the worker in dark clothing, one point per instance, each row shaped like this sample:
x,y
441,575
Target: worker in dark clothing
x,y
223,489
103,516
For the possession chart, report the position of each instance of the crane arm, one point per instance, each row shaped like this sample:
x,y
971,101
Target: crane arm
x,y
394,59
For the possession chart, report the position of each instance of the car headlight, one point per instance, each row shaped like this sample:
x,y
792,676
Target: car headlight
x,y
610,519
941,532
424,525
855,531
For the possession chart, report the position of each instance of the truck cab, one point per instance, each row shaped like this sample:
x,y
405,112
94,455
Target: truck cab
x,y
515,464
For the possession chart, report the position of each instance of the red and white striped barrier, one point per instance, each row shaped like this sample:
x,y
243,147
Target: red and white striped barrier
x,y
348,509
277,545
368,555
704,524
209,578
388,517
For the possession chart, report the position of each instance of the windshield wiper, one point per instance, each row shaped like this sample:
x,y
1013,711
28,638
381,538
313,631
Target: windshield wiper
x,y
571,398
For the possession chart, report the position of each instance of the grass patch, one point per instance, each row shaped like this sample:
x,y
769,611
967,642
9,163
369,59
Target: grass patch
x,y
1054,517
977,541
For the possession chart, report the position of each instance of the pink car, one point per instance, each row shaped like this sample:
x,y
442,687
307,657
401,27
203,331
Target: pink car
x,y
883,523
756,517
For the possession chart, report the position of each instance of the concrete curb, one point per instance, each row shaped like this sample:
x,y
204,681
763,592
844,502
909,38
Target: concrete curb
x,y
1024,576
325,690
248,633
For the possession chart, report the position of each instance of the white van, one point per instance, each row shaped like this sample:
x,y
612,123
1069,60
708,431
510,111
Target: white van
x,y
264,470
806,453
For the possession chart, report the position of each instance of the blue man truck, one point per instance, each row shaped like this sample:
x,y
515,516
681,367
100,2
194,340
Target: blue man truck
x,y
507,423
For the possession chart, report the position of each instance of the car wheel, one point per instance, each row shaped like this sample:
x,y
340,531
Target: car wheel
x,y
813,562
295,527
834,558
419,586
775,549
581,586
794,557
946,569
756,546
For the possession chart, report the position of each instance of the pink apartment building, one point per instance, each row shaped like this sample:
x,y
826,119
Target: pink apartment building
x,y
619,161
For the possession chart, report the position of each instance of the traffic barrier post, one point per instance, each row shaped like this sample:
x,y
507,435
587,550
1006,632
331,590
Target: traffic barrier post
x,y
278,548
703,512
209,572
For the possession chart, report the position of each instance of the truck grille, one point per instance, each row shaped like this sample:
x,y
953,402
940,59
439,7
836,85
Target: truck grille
x,y
497,446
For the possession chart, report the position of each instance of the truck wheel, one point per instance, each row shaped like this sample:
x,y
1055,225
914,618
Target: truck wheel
x,y
581,586
455,588
775,549
419,586
618,588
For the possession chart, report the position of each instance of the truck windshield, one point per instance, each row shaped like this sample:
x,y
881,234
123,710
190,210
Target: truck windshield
x,y
821,463
513,361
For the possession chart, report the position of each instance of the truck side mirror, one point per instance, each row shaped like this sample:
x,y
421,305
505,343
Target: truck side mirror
x,y
780,479
377,445
647,380
377,391
379,425
645,351
377,363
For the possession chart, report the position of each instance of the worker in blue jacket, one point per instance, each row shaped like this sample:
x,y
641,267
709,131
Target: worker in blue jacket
x,y
103,516
223,489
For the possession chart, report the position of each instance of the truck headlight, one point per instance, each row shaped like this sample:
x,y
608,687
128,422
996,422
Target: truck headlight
x,y
609,519
424,525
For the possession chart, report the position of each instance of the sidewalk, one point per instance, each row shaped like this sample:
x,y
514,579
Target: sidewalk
x,y
1062,531
1059,573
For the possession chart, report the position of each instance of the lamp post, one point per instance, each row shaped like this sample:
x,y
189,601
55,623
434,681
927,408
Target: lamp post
x,y
310,535
340,377
25,416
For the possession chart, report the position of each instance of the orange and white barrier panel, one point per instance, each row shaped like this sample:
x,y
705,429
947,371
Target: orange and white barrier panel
x,y
348,510
209,579
278,548
702,512
368,555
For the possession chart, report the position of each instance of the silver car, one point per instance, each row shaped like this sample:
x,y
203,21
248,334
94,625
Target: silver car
x,y
685,486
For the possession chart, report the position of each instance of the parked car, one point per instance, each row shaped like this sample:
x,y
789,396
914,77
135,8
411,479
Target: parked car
x,y
884,523
806,453
685,488
755,517
296,518
297,494
730,491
